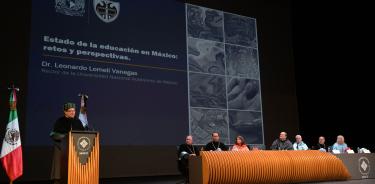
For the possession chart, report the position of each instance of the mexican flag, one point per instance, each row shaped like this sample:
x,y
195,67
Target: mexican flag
x,y
11,152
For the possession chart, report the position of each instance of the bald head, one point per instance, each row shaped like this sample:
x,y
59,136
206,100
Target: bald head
x,y
298,138
189,140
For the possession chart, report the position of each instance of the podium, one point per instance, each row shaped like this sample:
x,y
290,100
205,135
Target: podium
x,y
82,158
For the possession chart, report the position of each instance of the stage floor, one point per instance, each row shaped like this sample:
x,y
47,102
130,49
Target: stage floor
x,y
366,181
178,180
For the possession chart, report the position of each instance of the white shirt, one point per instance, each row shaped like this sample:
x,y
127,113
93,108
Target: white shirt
x,y
300,146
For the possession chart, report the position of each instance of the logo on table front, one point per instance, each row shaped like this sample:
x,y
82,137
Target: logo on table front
x,y
70,7
106,10
83,144
12,136
364,166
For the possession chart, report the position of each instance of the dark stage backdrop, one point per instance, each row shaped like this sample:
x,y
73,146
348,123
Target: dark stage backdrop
x,y
334,90
164,81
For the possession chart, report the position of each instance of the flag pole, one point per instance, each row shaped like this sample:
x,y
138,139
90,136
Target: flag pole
x,y
12,88
15,154
15,89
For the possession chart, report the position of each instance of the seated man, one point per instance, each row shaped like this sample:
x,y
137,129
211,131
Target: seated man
x,y
215,144
184,152
321,144
340,144
299,144
282,143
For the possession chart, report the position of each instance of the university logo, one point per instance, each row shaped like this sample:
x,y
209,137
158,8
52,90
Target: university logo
x,y
106,10
70,7
364,166
12,136
83,144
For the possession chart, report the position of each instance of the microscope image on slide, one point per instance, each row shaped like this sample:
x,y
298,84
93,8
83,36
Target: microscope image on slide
x,y
246,123
243,94
224,77
206,56
207,91
205,121
242,61
240,30
205,23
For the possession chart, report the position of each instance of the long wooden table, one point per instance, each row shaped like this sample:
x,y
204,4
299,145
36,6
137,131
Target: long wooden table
x,y
267,167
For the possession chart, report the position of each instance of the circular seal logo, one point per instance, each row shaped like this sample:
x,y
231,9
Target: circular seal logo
x,y
364,166
12,136
83,144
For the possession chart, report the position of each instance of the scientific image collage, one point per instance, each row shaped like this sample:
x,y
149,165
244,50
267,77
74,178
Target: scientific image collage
x,y
223,73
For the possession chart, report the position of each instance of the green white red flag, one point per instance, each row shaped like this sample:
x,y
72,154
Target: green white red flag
x,y
11,151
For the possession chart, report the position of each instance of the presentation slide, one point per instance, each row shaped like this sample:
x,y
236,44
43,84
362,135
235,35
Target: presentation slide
x,y
154,71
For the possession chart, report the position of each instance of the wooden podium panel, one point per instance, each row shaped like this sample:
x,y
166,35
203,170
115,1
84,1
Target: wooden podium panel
x,y
360,165
83,158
